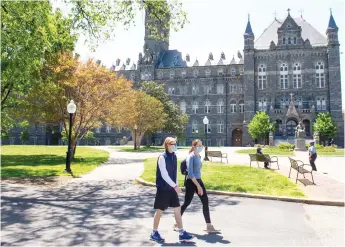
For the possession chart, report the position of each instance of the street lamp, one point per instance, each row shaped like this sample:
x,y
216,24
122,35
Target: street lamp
x,y
71,108
205,121
135,136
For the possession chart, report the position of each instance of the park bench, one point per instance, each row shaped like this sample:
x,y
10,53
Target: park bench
x,y
263,158
299,166
218,154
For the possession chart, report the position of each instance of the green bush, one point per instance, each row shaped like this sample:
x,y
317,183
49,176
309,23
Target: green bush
x,y
326,149
286,146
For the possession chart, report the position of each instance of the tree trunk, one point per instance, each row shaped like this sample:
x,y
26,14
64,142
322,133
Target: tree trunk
x,y
139,137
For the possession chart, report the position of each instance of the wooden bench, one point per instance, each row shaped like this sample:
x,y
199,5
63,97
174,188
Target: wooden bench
x,y
263,158
299,166
218,154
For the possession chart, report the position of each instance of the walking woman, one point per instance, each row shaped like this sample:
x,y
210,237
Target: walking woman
x,y
167,189
194,184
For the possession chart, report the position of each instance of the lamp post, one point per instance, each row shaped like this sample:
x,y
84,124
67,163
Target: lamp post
x,y
71,108
205,121
135,136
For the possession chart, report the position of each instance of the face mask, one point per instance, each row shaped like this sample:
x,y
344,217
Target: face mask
x,y
175,148
199,149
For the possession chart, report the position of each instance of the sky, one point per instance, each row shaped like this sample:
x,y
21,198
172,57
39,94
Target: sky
x,y
218,25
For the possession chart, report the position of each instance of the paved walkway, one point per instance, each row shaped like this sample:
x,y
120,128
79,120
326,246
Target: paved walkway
x,y
106,208
329,178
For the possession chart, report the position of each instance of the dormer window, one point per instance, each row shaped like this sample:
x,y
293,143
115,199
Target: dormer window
x,y
172,74
208,73
196,74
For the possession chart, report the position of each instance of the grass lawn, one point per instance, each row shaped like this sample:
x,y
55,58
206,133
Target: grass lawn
x,y
143,149
338,152
270,151
235,178
44,161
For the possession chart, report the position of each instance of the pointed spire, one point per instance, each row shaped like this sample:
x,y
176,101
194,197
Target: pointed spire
x,y
331,23
233,61
249,27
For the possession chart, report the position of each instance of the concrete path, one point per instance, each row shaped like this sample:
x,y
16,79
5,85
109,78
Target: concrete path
x,y
105,208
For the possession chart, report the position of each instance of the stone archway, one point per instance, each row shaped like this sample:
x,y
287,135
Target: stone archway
x,y
290,127
237,136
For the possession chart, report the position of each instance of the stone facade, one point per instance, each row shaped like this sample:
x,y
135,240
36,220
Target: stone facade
x,y
291,71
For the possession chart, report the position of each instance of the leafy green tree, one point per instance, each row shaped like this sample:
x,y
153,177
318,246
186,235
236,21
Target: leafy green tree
x,y
97,20
24,135
260,126
325,125
29,32
89,137
176,122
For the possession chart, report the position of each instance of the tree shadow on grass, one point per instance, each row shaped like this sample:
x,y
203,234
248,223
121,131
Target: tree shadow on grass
x,y
31,160
84,212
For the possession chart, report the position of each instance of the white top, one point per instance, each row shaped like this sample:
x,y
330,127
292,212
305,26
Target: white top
x,y
163,169
312,149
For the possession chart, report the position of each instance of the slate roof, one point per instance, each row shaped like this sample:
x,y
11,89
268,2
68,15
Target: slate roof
x,y
171,59
308,32
249,29
331,23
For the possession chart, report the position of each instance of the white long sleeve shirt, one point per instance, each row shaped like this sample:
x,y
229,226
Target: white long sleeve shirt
x,y
163,169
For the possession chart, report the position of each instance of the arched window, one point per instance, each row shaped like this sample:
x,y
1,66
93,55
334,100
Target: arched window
x,y
233,106
320,75
262,104
183,107
172,74
183,74
220,106
233,72
171,91
262,78
208,89
295,40
289,41
207,106
284,76
220,89
284,41
195,107
220,72
195,90
297,76
284,102
241,106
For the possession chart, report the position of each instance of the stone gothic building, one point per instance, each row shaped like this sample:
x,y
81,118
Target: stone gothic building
x,y
291,71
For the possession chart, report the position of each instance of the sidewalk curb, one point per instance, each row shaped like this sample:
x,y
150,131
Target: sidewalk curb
x,y
258,196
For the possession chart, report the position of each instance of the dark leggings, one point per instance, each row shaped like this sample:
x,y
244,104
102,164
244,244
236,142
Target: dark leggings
x,y
312,161
190,190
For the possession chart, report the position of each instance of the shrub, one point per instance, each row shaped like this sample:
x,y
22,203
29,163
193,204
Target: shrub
x,y
286,146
